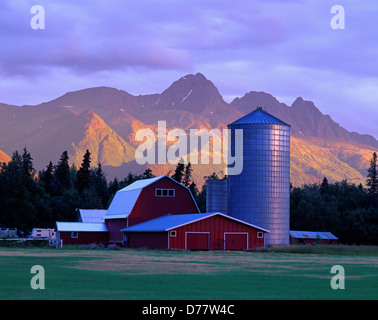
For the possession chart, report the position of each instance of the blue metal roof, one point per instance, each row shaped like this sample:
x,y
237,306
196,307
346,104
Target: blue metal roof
x,y
312,235
259,116
173,221
122,204
81,226
166,222
91,215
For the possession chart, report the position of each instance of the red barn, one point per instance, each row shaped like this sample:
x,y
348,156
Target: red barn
x,y
205,231
81,232
145,200
160,213
140,201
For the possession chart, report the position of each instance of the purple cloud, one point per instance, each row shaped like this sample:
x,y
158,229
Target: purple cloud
x,y
286,48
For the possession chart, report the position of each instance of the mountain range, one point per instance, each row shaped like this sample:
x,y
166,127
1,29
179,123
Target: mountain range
x,y
105,121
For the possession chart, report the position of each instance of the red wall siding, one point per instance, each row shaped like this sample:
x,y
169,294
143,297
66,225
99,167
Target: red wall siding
x,y
84,237
216,225
197,240
148,206
152,240
114,226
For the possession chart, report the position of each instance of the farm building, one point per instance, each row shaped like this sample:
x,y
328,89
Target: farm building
x,y
204,231
145,200
312,237
140,201
81,232
160,213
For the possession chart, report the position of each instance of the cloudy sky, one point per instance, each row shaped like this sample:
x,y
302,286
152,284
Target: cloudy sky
x,y
285,48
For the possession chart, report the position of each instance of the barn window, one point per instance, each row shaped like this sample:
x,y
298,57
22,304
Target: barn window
x,y
260,234
74,234
164,192
172,233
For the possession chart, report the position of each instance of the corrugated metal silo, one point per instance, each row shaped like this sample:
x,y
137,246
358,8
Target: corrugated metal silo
x,y
260,195
216,196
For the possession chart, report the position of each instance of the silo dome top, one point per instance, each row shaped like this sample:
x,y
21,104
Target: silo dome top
x,y
259,116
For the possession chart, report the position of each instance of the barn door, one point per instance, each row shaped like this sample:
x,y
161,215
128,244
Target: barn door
x,y
235,241
197,241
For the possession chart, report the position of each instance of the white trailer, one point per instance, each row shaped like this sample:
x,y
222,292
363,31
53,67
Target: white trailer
x,y
39,233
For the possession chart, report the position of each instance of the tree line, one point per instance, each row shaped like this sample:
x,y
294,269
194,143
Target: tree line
x,y
29,200
348,211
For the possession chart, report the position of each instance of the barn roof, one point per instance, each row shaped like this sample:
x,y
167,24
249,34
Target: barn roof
x,y
168,222
81,226
122,203
312,235
91,215
125,199
140,184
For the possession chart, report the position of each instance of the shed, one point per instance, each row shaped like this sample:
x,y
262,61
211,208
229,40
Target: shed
x,y
81,232
312,237
204,231
147,199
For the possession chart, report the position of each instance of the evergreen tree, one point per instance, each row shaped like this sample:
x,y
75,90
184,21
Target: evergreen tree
x,y
324,186
27,164
372,179
47,176
187,179
193,189
100,185
147,174
62,172
179,172
113,186
201,199
10,180
48,181
25,203
84,174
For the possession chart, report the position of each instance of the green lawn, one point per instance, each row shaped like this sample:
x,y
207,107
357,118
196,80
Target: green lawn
x,y
149,274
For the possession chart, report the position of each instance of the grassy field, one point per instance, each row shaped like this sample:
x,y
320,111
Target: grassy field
x,y
294,273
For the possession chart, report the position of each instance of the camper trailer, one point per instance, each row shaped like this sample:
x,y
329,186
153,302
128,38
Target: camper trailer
x,y
39,233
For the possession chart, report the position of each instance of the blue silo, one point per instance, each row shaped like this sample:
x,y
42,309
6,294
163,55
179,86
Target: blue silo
x,y
260,194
